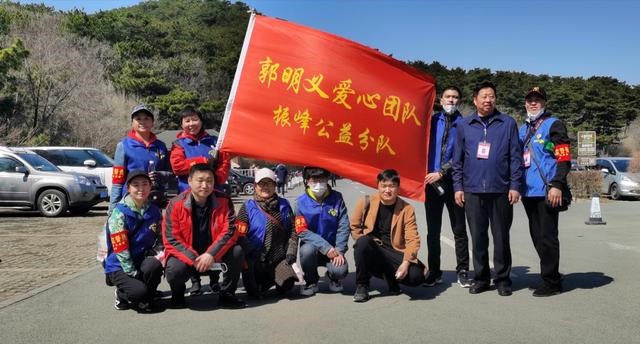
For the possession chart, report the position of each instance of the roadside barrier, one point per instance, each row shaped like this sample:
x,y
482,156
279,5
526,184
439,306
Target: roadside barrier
x,y
595,214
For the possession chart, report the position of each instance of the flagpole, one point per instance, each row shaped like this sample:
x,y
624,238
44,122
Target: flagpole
x,y
236,78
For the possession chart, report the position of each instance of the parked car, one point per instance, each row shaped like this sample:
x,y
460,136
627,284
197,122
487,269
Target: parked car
x,y
79,159
240,183
618,180
29,180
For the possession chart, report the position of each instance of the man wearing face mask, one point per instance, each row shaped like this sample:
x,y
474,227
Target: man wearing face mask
x,y
439,190
322,224
545,146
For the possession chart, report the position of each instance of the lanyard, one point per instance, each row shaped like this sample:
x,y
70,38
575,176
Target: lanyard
x,y
532,130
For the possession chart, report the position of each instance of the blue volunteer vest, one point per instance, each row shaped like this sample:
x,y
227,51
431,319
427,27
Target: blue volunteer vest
x,y
534,186
321,218
141,236
258,221
202,147
137,156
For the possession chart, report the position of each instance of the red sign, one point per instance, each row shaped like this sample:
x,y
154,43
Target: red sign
x,y
306,97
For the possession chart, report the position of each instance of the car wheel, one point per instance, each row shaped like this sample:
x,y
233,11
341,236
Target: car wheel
x,y
52,203
79,210
248,189
614,192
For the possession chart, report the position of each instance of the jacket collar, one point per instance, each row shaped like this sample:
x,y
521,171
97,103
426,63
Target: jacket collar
x,y
184,135
132,135
495,116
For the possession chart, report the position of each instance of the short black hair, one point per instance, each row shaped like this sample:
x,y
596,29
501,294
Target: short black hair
x,y
389,175
189,111
455,88
201,168
484,84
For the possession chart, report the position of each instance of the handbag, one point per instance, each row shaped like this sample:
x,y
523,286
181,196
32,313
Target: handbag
x,y
566,190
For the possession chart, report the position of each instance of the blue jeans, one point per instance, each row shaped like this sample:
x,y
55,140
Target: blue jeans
x,y
311,258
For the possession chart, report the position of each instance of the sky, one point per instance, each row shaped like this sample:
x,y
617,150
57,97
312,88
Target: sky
x,y
562,37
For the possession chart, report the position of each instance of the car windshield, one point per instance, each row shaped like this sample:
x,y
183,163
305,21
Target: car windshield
x,y
38,162
621,165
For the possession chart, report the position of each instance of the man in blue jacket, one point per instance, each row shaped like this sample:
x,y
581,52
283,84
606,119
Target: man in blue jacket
x,y
487,172
439,191
322,224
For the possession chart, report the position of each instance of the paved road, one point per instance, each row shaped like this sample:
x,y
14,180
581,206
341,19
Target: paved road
x,y
600,304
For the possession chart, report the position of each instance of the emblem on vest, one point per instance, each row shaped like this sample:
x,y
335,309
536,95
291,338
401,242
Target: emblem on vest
x,y
333,212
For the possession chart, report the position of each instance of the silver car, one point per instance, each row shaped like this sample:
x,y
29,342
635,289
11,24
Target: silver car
x,y
29,180
618,180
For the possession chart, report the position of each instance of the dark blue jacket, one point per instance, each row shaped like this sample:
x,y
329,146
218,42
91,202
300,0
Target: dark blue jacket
x,y
441,152
502,171
258,223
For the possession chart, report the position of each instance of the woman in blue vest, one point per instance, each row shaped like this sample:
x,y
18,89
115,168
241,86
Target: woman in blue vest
x,y
134,246
140,150
193,145
267,223
322,223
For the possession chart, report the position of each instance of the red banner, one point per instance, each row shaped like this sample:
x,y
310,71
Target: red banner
x,y
306,97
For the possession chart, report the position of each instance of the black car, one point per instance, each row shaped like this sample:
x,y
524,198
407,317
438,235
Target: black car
x,y
240,183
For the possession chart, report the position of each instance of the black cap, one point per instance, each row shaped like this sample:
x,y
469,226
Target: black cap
x,y
137,173
538,91
141,108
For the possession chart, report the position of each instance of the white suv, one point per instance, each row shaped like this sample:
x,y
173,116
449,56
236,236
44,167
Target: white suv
x,y
79,159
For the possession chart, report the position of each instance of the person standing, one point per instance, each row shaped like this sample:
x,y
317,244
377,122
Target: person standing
x,y
487,174
281,178
140,150
386,237
547,161
439,191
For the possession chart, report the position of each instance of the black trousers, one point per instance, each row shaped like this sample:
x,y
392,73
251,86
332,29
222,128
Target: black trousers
x,y
282,188
543,227
382,261
178,273
434,207
483,209
138,290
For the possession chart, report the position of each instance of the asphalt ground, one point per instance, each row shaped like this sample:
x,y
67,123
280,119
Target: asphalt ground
x,y
599,305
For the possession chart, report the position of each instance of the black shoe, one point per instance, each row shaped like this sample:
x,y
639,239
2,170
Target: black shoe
x,y
362,293
478,288
504,290
145,307
463,279
120,304
195,288
215,287
178,302
546,290
433,278
230,301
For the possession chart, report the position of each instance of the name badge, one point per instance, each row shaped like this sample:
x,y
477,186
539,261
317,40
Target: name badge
x,y
527,158
483,150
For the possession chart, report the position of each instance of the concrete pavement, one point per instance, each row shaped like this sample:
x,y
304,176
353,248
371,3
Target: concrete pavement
x,y
599,306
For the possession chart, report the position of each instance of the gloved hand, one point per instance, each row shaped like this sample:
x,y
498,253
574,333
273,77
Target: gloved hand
x,y
290,259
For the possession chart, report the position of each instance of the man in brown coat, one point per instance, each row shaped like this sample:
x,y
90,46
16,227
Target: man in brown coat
x,y
387,240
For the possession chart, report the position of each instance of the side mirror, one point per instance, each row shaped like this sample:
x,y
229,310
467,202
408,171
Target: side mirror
x,y
89,163
22,169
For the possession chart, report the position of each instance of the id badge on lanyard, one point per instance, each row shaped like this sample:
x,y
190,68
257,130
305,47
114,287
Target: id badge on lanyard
x,y
526,158
484,147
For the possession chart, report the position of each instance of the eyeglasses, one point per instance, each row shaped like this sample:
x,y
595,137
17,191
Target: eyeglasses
x,y
266,183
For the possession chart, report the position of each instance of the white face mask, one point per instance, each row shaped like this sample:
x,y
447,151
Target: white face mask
x,y
533,116
449,109
319,188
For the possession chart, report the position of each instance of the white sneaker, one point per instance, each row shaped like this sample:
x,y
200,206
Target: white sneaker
x,y
335,286
309,289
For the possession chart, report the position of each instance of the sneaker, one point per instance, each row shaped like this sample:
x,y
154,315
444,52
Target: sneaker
x,y
145,307
120,304
335,286
309,289
362,294
463,279
230,301
433,278
195,288
546,290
